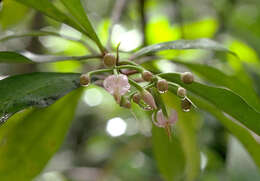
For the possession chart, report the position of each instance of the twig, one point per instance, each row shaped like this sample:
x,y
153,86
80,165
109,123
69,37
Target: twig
x,y
52,58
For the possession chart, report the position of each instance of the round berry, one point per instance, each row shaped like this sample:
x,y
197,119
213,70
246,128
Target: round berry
x,y
187,77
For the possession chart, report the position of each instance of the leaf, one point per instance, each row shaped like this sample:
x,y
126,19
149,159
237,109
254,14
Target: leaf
x,y
13,57
8,9
46,7
223,99
34,138
38,34
76,9
239,131
187,126
34,89
206,44
218,77
168,154
28,57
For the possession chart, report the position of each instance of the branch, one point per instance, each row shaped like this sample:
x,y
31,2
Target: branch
x,y
52,58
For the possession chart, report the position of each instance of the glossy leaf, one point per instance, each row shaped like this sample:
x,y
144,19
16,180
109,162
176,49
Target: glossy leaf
x,y
35,89
76,9
206,44
13,57
220,78
223,99
239,131
34,138
168,154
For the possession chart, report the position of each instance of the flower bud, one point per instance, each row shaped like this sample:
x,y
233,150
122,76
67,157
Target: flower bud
x,y
148,99
136,98
187,77
84,79
147,76
186,105
162,85
109,60
181,92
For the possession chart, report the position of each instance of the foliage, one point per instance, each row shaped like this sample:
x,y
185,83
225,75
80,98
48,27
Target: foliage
x,y
36,109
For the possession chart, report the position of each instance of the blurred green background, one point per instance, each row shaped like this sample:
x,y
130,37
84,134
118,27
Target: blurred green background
x,y
110,143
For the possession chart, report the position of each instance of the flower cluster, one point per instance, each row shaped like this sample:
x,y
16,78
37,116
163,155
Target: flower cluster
x,y
126,89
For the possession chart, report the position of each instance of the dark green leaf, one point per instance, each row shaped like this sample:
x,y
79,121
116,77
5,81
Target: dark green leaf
x,y
34,138
168,154
35,89
76,9
223,99
13,57
218,77
206,44
28,57
239,131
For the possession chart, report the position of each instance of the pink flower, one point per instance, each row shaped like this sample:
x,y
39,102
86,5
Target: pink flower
x,y
163,122
117,85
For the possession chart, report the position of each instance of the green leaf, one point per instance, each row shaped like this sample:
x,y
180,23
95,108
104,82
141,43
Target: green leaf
x,y
34,89
76,9
8,9
223,99
46,7
38,34
34,138
220,78
239,131
28,57
206,44
13,57
168,154
187,126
